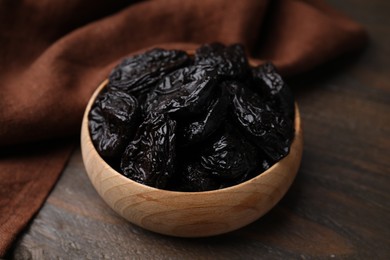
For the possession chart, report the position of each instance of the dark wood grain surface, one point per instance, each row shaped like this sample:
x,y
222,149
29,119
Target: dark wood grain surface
x,y
338,206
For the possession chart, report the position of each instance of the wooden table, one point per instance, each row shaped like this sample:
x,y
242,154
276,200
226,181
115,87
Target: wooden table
x,y
338,207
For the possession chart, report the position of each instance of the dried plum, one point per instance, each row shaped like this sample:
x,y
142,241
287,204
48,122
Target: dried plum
x,y
191,132
138,74
112,121
272,86
183,92
269,129
229,62
195,178
229,157
150,158
119,108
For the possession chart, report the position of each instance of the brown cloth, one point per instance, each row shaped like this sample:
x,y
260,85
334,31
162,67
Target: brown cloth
x,y
53,54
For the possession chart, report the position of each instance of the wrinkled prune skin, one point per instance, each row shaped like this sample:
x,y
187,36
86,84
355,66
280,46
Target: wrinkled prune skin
x,y
193,123
136,75
229,156
269,129
112,121
119,108
150,158
230,62
192,132
195,178
184,92
272,86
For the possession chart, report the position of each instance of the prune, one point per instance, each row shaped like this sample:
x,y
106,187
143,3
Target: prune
x,y
269,129
229,157
138,74
150,158
119,108
271,85
183,92
263,163
191,132
195,178
112,121
229,61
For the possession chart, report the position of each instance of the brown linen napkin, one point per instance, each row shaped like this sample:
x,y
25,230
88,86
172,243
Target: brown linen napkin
x,y
53,54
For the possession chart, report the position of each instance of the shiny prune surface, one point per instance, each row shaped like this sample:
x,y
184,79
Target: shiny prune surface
x,y
229,62
150,158
229,156
194,131
193,123
138,74
269,129
183,92
112,122
195,178
271,85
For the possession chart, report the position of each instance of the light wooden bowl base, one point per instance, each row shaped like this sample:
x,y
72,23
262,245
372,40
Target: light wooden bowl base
x,y
190,214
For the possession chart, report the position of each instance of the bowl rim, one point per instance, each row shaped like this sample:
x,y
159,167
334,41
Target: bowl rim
x,y
85,127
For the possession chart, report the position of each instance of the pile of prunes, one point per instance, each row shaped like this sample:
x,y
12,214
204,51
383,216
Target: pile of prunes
x,y
198,122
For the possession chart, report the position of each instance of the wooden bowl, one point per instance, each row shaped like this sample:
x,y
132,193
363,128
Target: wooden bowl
x,y
190,214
